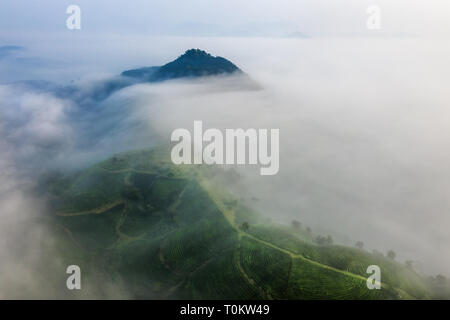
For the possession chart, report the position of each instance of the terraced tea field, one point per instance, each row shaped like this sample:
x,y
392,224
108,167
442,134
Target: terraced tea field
x,y
162,231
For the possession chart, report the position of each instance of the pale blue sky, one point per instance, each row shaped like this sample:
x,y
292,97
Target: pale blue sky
x,y
227,17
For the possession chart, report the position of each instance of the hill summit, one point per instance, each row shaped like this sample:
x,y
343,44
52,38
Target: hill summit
x,y
193,63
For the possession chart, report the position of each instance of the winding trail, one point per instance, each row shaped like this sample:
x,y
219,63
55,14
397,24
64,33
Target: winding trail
x,y
98,210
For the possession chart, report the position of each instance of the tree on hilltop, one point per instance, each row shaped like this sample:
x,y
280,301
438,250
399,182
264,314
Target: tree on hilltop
x,y
391,255
296,224
245,226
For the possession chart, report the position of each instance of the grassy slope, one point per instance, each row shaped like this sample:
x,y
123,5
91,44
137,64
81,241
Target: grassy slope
x,y
170,232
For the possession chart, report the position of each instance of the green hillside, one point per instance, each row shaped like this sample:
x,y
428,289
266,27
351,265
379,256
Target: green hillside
x,y
165,231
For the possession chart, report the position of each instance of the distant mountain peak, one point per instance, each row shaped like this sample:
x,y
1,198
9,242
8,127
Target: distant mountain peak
x,y
193,63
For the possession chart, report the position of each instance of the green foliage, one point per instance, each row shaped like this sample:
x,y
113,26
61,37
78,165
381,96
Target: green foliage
x,y
93,232
343,258
267,267
310,281
324,241
296,224
391,255
220,278
245,226
187,248
158,229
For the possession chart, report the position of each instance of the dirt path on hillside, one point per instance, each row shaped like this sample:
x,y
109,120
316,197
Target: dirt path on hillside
x,y
98,210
